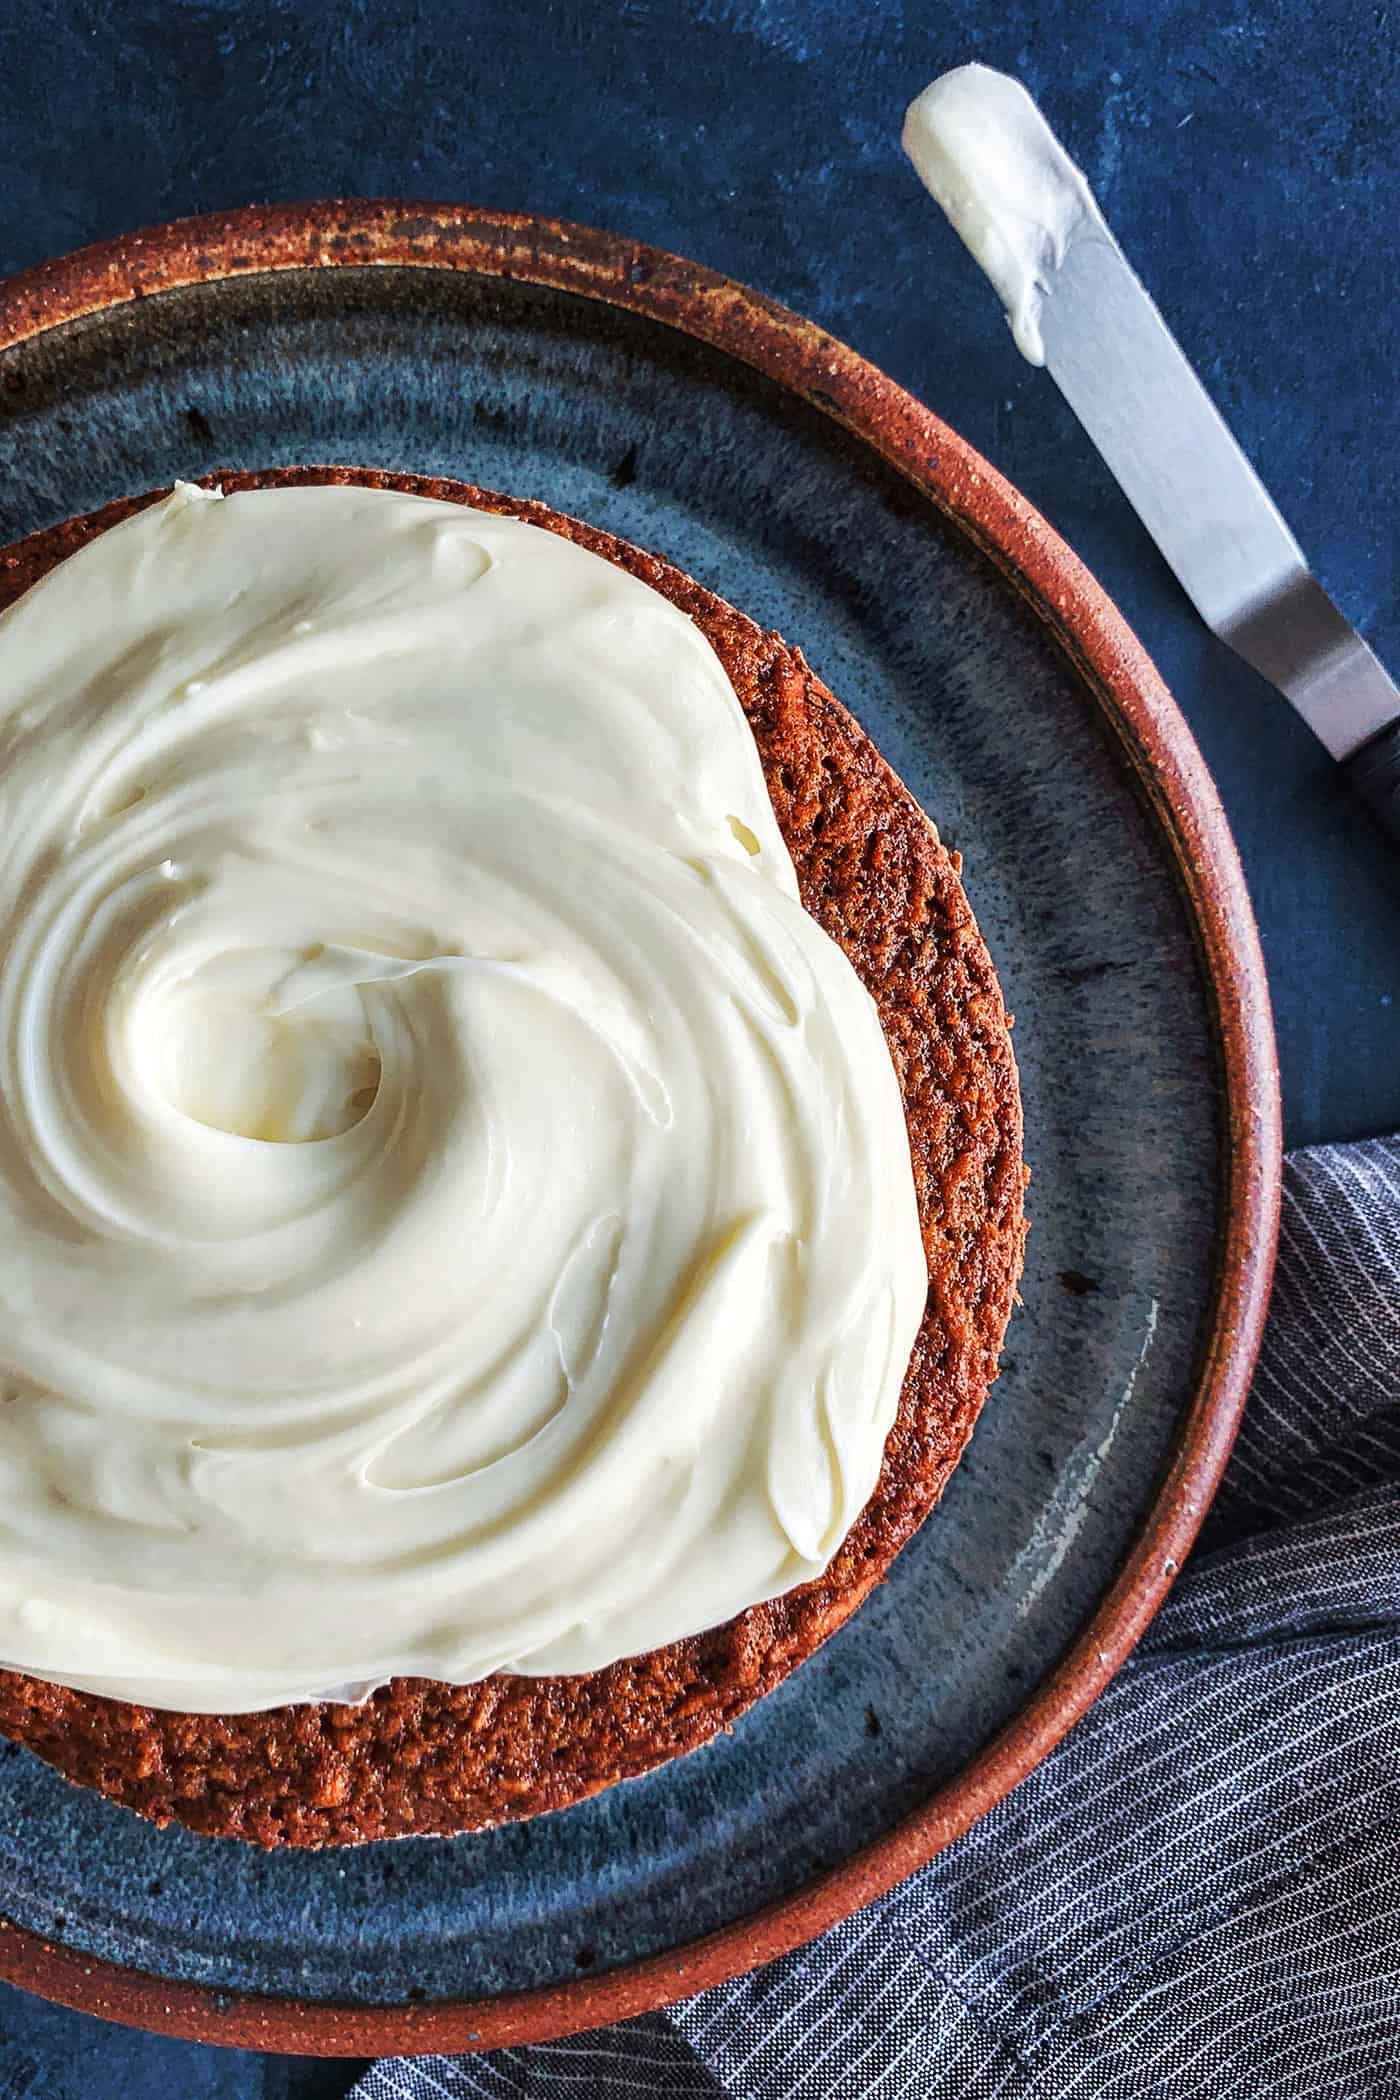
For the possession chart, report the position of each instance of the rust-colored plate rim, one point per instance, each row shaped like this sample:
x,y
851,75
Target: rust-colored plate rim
x,y
813,364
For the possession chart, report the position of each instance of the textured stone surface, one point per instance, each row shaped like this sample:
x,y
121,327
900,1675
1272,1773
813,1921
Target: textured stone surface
x,y
1247,156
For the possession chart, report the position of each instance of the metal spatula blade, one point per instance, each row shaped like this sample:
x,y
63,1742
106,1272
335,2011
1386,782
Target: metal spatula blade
x,y
1125,376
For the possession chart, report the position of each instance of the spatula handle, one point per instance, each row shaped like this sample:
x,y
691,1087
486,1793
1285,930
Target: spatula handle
x,y
1374,772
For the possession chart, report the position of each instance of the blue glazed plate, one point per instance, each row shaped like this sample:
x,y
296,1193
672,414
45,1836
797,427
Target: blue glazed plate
x,y
1029,726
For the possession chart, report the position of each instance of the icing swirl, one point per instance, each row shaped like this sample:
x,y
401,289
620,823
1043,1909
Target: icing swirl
x,y
455,1206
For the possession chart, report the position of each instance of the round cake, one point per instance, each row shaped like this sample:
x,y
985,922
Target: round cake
x,y
419,1755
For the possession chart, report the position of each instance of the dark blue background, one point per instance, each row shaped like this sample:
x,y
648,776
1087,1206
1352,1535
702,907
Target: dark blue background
x,y
1246,154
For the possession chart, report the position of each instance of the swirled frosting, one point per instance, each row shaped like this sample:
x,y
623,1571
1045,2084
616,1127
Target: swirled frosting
x,y
455,1206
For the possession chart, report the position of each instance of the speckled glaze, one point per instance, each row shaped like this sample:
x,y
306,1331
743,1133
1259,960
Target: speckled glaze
x,y
692,416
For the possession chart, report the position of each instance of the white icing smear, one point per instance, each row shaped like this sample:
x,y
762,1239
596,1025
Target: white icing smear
x,y
455,1205
1009,189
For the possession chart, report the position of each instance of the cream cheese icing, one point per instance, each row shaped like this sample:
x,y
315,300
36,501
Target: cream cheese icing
x,y
455,1206
1013,195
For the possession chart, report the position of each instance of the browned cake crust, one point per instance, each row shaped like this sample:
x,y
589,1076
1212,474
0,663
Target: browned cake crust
x,y
423,1757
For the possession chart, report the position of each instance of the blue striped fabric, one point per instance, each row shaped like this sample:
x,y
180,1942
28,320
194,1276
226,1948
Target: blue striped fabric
x,y
1199,1894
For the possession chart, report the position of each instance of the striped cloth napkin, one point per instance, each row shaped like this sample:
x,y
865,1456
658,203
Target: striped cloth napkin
x,y
1199,1893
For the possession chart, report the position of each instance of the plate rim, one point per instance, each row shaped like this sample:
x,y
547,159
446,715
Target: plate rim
x,y
1157,744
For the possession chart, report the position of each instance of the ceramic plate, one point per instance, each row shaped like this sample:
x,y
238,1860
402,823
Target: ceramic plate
x,y
691,416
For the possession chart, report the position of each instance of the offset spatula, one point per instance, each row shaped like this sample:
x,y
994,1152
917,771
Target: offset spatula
x,y
1026,212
